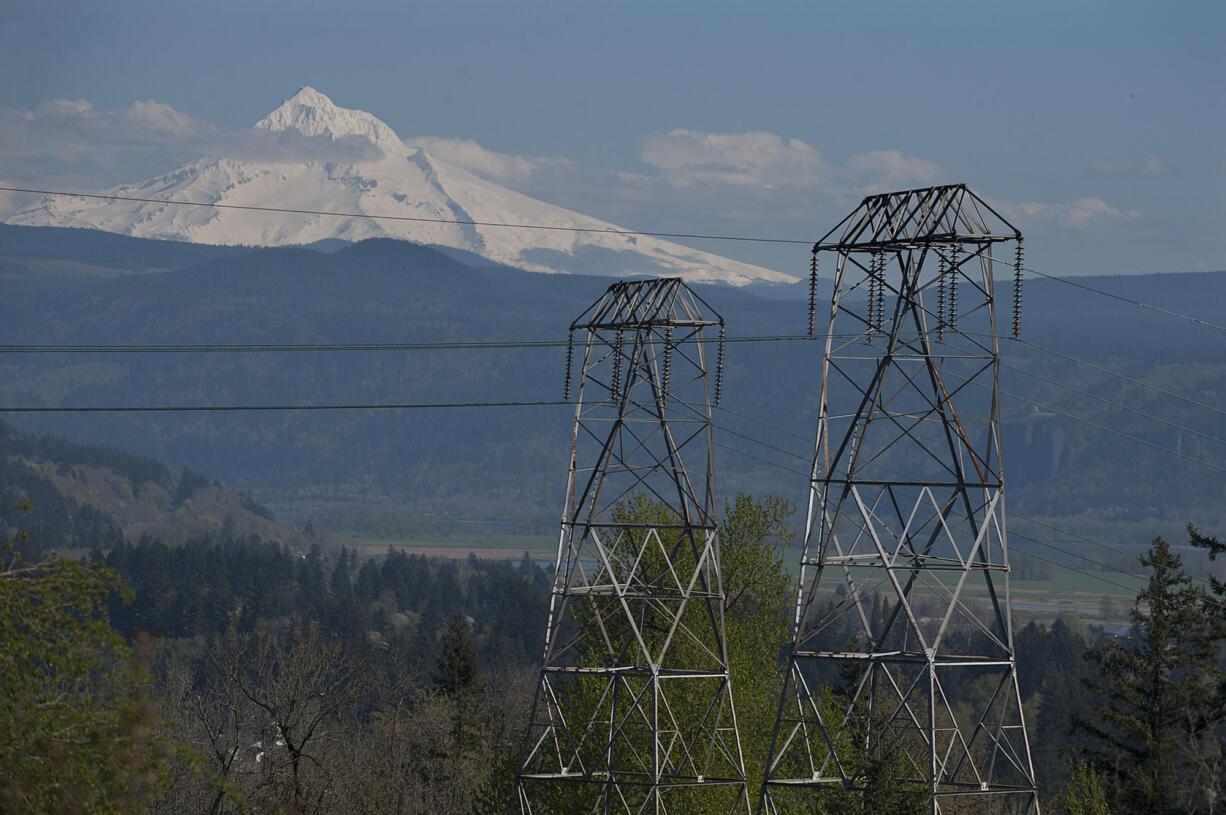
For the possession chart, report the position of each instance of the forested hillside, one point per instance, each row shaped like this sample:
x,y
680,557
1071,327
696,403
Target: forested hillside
x,y
83,497
258,668
1068,454
252,678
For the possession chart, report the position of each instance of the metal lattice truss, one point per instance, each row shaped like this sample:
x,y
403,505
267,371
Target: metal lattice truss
x,y
902,666
634,711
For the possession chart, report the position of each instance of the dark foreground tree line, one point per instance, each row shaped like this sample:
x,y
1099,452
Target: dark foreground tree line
x,y
228,676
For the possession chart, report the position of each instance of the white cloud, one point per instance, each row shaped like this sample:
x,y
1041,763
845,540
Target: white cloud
x,y
71,141
880,170
765,160
163,120
686,158
67,128
1151,167
1079,213
503,168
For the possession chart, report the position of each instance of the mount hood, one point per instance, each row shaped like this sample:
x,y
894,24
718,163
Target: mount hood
x,y
365,168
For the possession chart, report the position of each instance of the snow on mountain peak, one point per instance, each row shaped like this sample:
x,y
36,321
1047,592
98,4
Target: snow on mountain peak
x,y
314,114
407,193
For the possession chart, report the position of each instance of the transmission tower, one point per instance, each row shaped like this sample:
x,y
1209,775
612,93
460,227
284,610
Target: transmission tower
x,y
633,710
901,680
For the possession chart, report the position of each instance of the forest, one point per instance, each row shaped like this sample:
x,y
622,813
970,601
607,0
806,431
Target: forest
x,y
231,675
167,647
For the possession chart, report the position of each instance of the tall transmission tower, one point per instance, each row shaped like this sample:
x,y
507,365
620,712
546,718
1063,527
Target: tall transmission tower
x,y
901,679
633,710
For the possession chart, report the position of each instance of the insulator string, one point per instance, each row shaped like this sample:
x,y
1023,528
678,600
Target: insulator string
x,y
617,365
570,356
668,355
881,291
871,311
953,289
942,274
812,291
719,367
1017,291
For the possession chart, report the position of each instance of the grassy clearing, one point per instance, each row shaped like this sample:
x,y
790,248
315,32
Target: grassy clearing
x,y
1066,583
452,545
1088,595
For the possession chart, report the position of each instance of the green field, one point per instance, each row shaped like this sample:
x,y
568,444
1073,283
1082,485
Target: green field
x,y
1097,597
452,545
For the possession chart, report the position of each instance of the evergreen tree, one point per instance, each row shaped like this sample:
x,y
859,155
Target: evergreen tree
x,y
1152,687
1210,755
456,672
458,676
342,585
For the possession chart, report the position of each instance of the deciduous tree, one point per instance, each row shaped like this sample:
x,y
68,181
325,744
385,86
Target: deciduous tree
x,y
76,728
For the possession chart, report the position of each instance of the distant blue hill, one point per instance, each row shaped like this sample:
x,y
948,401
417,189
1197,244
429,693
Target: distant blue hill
x,y
510,463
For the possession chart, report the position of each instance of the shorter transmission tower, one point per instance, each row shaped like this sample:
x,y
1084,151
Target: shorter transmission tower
x,y
633,710
901,680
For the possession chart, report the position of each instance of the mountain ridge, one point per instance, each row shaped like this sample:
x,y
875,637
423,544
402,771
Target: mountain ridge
x,y
505,464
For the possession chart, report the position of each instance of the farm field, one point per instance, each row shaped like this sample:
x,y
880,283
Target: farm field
x,y
1088,595
1101,598
453,545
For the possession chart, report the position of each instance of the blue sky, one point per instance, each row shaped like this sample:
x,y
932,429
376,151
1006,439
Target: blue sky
x,y
1097,126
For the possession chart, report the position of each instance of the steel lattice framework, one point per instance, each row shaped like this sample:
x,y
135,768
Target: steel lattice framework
x,y
902,666
634,711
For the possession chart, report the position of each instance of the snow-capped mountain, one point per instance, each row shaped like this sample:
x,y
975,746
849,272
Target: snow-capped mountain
x,y
377,175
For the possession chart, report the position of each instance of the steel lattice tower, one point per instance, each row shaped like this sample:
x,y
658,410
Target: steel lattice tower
x,y
633,710
902,671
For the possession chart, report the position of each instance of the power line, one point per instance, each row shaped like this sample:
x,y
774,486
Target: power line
x,y
1016,515
1099,426
500,345
1141,413
1104,566
1113,431
1093,542
428,405
1082,538
555,403
1091,575
210,348
1113,403
415,219
762,443
767,425
767,462
1158,309
1124,377
455,346
240,408
169,348
1101,578
1083,558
